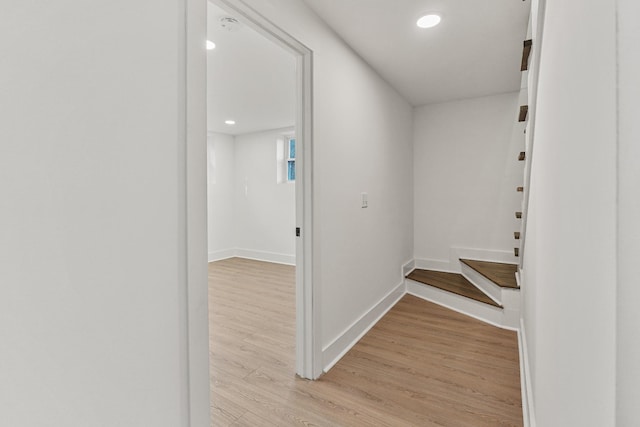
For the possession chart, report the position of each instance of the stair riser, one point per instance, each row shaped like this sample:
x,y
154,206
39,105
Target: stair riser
x,y
507,319
489,288
507,297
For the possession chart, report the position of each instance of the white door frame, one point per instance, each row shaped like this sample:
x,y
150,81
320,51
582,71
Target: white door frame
x,y
308,344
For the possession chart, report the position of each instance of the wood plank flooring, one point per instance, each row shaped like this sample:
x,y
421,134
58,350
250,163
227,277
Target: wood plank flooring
x,y
451,282
501,274
421,365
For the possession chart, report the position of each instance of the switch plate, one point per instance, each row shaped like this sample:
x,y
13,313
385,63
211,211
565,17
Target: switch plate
x,y
365,200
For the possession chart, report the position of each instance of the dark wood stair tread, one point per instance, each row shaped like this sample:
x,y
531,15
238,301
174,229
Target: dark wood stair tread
x,y
526,51
503,275
451,282
524,109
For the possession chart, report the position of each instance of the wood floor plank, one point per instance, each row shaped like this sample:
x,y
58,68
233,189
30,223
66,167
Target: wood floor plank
x,y
421,365
501,274
226,411
249,419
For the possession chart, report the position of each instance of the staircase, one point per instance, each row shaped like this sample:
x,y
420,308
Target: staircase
x,y
523,120
484,290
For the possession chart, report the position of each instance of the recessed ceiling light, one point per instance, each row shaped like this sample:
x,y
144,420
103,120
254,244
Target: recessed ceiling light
x,y
428,21
230,122
210,45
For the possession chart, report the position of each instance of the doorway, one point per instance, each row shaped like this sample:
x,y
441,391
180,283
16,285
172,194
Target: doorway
x,y
308,350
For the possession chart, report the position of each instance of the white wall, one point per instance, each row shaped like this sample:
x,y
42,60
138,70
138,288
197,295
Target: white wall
x,y
569,275
362,143
93,267
250,214
465,177
628,337
265,210
221,180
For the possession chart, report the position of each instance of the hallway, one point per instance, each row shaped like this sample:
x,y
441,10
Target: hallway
x,y
455,372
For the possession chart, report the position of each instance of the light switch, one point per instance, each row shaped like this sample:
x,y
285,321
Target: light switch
x,y
365,200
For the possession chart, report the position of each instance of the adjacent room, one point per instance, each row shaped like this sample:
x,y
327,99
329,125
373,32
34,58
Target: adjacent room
x,y
250,143
251,176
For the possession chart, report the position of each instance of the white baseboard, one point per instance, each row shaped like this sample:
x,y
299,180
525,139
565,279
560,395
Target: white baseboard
x,y
452,265
332,353
528,412
435,265
251,254
482,255
255,255
408,267
266,256
220,255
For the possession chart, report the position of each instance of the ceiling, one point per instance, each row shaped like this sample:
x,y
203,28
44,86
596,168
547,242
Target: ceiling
x,y
475,51
250,79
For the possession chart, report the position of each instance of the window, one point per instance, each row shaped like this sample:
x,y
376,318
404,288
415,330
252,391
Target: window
x,y
286,158
291,158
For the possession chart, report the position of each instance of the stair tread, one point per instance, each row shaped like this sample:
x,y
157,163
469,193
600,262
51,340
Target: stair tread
x,y
526,52
524,109
451,282
502,274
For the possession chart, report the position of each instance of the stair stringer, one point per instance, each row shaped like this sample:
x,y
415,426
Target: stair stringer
x,y
507,297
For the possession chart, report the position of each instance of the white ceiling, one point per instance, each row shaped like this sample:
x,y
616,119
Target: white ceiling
x,y
475,51
250,80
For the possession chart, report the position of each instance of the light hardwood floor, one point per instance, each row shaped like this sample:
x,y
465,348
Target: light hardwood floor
x,y
421,365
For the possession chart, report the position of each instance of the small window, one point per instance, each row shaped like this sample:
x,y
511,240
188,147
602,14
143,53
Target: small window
x,y
291,159
286,158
